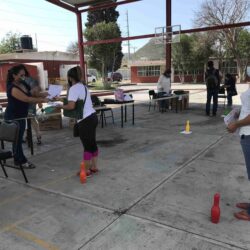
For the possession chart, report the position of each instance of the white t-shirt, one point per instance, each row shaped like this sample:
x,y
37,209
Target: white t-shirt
x,y
164,84
77,92
245,111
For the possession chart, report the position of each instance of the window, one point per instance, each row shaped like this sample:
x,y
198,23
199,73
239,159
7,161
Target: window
x,y
229,67
149,71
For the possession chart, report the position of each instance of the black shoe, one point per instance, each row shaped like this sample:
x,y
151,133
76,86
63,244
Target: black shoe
x,y
214,114
26,165
39,140
207,114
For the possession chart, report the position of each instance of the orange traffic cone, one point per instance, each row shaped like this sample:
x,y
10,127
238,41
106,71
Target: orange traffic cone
x,y
83,176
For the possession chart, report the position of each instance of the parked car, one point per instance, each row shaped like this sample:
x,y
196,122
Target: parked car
x,y
91,78
115,77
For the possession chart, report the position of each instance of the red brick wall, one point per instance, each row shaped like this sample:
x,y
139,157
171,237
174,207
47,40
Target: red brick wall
x,y
151,79
141,79
189,78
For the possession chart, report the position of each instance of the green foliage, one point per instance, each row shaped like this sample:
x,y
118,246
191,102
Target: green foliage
x,y
101,56
105,15
182,54
73,48
115,55
10,43
243,45
190,54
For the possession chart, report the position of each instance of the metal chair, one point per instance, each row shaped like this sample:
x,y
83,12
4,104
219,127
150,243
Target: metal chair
x,y
9,133
152,99
101,109
222,95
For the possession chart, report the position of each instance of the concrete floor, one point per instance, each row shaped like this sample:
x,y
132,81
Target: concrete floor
x,y
154,189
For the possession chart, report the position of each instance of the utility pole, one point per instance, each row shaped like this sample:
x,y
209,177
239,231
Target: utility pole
x,y
128,36
134,48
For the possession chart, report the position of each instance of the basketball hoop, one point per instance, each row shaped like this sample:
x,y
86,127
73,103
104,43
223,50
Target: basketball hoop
x,y
171,34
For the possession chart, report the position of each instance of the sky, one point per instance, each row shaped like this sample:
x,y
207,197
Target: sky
x,y
54,28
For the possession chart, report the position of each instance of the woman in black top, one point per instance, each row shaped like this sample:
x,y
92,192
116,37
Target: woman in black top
x,y
231,88
19,96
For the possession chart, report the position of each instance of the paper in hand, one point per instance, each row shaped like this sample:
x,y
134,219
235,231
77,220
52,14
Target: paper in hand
x,y
54,91
231,117
55,104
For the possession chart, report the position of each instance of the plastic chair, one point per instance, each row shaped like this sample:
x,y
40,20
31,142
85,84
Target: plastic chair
x,y
9,133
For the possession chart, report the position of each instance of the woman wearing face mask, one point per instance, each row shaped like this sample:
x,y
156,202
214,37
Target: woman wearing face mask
x,y
88,122
19,97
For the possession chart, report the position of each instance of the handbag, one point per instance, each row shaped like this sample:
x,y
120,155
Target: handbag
x,y
76,130
233,92
119,95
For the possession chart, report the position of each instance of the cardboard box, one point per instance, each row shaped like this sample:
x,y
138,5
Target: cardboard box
x,y
182,104
52,122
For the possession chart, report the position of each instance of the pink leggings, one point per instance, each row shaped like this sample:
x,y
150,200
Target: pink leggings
x,y
87,156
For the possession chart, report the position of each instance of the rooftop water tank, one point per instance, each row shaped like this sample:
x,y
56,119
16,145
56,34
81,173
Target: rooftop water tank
x,y
26,42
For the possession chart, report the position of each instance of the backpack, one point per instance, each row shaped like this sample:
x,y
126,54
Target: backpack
x,y
212,80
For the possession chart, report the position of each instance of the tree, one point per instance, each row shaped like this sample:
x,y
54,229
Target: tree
x,y
219,12
181,53
104,15
201,51
243,48
109,15
101,56
73,48
10,43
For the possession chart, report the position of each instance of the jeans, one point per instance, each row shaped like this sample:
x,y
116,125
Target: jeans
x,y
17,148
162,103
229,100
212,93
245,144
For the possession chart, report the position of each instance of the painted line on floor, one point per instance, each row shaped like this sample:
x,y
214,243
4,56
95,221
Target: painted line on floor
x,y
18,197
31,237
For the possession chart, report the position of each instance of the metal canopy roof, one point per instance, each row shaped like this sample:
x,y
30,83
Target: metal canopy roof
x,y
84,3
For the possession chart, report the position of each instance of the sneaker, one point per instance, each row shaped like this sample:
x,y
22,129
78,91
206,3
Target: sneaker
x,y
94,170
88,173
28,165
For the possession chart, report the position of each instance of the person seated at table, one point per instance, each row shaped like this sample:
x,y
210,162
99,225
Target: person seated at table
x,y
164,87
19,97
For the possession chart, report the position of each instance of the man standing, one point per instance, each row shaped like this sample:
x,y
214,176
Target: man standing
x,y
212,78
